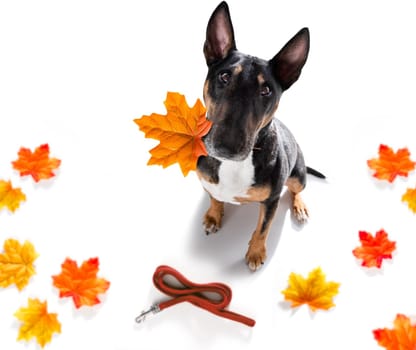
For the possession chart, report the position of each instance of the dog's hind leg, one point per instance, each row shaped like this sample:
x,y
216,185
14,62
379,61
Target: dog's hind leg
x,y
213,216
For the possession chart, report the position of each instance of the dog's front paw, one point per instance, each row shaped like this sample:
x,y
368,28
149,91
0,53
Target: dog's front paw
x,y
213,217
256,256
211,224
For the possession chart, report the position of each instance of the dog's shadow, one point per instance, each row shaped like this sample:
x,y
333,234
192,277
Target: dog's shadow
x,y
227,247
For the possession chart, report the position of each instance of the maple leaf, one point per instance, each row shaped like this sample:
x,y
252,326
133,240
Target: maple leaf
x,y
180,133
80,283
16,263
401,337
37,322
390,164
37,163
10,197
374,248
313,291
410,197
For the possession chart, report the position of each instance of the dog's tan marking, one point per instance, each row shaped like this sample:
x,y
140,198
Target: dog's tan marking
x,y
214,111
209,103
268,118
255,194
207,99
294,185
204,177
260,79
300,210
238,69
256,253
213,217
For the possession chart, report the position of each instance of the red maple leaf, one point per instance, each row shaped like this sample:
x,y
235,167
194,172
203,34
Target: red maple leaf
x,y
374,248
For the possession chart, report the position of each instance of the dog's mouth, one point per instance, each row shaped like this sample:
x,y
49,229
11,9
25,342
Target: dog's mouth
x,y
223,146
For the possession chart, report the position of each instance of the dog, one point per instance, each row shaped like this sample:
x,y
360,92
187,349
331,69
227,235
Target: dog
x,y
251,154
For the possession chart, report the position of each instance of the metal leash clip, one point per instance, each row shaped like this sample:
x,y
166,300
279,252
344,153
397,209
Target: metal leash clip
x,y
153,309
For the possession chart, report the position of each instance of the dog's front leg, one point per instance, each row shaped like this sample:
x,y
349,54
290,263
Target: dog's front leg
x,y
213,216
256,253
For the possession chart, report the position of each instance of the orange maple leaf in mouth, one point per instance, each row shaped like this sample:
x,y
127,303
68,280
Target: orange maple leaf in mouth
x,y
180,133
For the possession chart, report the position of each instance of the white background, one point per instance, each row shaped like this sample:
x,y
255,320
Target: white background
x,y
75,74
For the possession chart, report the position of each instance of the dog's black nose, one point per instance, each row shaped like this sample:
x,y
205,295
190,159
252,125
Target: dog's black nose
x,y
232,147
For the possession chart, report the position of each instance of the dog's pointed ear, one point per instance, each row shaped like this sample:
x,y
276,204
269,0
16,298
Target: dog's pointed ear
x,y
287,64
220,35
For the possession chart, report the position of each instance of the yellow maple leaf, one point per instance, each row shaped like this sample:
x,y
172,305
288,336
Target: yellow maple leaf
x,y
10,197
37,322
410,197
180,133
16,263
313,291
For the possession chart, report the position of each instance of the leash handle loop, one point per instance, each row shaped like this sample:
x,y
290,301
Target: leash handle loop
x,y
200,295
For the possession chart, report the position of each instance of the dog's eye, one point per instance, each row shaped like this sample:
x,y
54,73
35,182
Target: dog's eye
x,y
265,90
224,77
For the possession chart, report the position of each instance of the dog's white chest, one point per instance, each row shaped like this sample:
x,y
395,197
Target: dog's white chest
x,y
235,179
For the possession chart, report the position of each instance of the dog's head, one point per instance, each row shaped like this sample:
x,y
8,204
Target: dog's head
x,y
242,92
